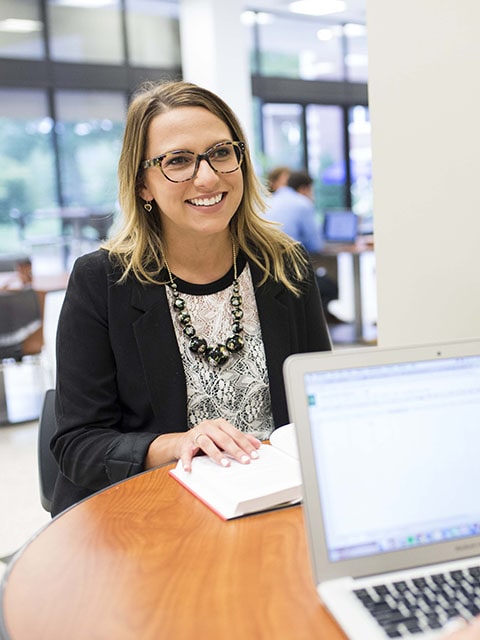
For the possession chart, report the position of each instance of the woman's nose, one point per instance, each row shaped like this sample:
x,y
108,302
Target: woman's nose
x,y
205,174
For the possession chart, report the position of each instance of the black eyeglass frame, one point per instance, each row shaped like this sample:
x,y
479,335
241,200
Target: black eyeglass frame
x,y
157,162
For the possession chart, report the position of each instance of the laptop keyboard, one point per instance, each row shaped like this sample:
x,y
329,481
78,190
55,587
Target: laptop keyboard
x,y
408,607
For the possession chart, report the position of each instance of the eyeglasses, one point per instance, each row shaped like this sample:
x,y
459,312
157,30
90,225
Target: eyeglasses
x,y
181,166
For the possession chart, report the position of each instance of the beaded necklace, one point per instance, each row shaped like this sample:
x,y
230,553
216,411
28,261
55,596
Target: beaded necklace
x,y
219,354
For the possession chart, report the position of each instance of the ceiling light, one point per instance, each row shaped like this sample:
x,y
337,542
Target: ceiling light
x,y
250,18
354,30
18,25
84,4
324,35
317,7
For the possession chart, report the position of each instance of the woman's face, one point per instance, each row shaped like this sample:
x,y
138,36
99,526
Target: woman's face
x,y
206,204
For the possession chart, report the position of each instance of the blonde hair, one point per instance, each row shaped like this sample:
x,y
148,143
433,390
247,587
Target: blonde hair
x,y
138,245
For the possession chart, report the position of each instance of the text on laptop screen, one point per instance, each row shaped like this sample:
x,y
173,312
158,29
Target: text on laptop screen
x,y
397,454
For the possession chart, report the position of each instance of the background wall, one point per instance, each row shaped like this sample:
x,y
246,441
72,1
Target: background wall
x,y
426,170
215,53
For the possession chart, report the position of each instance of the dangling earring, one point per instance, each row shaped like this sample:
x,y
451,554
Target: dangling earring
x,y
148,206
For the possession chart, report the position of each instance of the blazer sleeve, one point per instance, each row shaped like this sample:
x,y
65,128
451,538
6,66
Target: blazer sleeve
x,y
93,444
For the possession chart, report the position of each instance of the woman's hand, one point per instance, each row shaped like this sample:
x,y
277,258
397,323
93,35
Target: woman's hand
x,y
217,438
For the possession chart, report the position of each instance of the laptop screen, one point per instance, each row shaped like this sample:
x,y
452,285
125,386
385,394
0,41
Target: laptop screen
x,y
396,451
340,226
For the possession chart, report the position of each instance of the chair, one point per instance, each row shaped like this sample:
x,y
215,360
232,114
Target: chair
x,y
20,336
47,464
20,318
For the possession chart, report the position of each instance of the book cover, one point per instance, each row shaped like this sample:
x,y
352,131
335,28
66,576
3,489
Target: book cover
x,y
272,480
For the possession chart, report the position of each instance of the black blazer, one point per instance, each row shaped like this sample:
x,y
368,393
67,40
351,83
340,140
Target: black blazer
x,y
120,379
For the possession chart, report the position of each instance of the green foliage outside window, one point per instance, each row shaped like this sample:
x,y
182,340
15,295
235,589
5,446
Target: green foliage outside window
x,y
26,169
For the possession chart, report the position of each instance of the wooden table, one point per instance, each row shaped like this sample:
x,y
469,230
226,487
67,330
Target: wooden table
x,y
145,560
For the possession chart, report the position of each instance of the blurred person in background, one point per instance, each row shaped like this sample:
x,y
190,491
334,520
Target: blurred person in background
x,y
292,205
277,178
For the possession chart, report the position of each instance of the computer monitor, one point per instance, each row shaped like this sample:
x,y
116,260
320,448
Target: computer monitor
x,y
340,226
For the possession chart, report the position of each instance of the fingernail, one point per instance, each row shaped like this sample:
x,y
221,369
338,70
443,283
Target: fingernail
x,y
245,459
254,454
454,624
224,462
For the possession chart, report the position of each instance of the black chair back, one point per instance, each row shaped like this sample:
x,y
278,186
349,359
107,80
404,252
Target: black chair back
x,y
47,464
20,317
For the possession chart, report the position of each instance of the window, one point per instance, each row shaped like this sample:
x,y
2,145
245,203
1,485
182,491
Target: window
x,y
360,161
21,30
27,166
91,33
153,33
307,49
326,156
283,135
89,128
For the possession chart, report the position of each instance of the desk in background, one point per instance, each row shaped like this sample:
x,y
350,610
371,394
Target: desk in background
x,y
79,225
42,285
363,244
79,219
144,559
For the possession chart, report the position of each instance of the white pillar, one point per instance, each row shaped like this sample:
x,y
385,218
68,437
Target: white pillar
x,y
424,91
215,54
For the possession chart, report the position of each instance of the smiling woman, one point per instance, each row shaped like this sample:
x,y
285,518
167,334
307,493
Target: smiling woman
x,y
172,336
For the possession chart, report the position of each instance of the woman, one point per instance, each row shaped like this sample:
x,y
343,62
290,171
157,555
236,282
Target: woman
x,y
172,337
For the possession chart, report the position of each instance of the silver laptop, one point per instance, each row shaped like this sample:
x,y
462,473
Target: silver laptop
x,y
389,446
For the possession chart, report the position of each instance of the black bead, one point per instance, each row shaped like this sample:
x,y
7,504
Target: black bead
x,y
237,314
189,330
235,343
184,317
237,327
198,345
179,304
236,301
217,356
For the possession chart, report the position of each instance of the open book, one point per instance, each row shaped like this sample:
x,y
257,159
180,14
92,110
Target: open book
x,y
271,481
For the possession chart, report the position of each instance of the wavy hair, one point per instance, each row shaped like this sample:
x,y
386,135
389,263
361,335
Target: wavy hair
x,y
138,244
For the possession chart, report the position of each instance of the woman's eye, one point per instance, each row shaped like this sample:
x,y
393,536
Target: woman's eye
x,y
177,161
223,153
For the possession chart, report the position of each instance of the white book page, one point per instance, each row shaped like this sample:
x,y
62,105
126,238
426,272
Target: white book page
x,y
284,438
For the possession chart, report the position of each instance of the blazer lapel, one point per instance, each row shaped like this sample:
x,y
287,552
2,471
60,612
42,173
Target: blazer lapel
x,y
277,339
157,345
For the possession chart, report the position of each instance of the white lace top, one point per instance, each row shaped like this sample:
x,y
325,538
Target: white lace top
x,y
238,391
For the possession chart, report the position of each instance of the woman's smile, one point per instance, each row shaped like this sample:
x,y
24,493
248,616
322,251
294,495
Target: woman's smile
x,y
207,201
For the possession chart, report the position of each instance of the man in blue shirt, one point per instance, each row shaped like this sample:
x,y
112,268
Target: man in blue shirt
x,y
292,205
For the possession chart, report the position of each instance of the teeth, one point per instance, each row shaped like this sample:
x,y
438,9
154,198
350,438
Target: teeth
x,y
206,202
